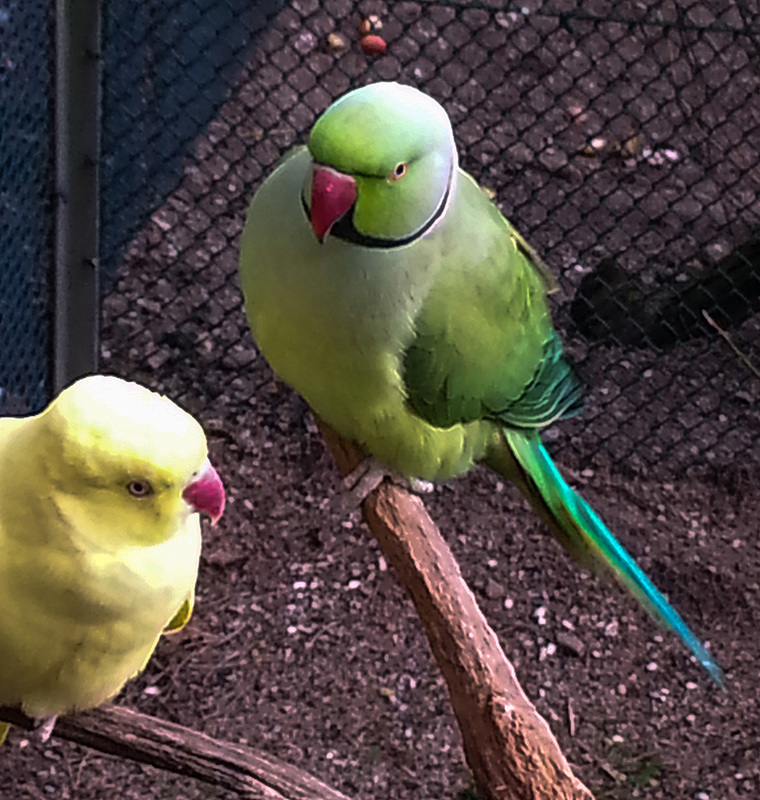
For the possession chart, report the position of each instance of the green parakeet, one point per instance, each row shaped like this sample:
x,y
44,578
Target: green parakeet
x,y
384,285
100,538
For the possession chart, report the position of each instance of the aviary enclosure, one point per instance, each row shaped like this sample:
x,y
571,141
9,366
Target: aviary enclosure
x,y
623,140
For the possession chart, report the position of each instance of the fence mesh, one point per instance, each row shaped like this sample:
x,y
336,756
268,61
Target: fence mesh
x,y
26,204
623,140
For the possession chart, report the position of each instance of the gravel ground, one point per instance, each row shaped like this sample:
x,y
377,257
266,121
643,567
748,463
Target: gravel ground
x,y
303,643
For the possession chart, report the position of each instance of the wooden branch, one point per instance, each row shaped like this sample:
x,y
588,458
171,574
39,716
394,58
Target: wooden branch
x,y
730,342
509,746
128,734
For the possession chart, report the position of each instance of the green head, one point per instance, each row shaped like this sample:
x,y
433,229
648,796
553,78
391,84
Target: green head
x,y
390,158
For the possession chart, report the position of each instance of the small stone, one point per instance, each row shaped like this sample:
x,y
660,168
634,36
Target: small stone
x,y
370,25
631,146
494,589
336,42
372,45
158,359
571,642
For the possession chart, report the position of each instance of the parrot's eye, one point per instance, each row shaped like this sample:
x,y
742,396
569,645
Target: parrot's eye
x,y
140,489
399,171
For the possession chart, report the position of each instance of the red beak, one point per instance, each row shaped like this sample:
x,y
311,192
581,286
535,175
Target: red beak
x,y
332,195
206,493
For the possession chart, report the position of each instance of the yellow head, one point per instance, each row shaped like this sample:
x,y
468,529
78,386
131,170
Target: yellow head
x,y
122,463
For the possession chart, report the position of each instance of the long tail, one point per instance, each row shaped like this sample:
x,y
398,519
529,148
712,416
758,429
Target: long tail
x,y
524,460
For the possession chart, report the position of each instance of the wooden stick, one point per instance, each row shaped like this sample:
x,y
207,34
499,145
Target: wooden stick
x,y
509,746
128,734
730,342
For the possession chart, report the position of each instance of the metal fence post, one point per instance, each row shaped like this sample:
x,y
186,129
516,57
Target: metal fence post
x,y
77,140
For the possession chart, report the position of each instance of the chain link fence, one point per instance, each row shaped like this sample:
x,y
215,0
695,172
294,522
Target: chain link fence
x,y
26,203
623,140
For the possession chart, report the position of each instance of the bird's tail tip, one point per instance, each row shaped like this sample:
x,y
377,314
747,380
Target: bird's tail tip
x,y
586,536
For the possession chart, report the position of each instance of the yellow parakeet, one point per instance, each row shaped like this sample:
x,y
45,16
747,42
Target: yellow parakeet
x,y
100,538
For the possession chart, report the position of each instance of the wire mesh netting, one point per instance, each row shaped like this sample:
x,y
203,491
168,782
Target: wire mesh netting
x,y
26,204
622,139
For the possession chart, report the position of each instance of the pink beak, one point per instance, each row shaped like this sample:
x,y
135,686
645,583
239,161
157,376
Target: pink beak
x,y
332,195
206,493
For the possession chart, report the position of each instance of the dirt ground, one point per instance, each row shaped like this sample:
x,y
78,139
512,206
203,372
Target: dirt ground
x,y
303,643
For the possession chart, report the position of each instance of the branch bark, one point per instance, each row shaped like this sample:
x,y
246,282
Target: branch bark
x,y
129,734
508,745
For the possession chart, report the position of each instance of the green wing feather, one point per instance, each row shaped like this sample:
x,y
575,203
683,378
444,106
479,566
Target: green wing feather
x,y
484,345
182,616
554,392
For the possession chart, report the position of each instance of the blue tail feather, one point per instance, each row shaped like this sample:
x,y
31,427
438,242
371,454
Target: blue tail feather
x,y
588,535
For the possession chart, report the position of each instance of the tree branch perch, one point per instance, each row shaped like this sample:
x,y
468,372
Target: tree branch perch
x,y
509,746
129,734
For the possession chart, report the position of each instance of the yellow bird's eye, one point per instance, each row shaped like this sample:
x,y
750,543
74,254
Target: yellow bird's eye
x,y
140,488
398,172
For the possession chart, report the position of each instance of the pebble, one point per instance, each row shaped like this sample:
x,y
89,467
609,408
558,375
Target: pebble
x,y
336,42
373,45
571,642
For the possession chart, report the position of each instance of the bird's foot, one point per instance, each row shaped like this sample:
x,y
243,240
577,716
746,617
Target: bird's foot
x,y
417,485
43,727
359,484
364,479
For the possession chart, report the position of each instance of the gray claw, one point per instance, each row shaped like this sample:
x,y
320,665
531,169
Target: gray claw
x,y
43,727
365,478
